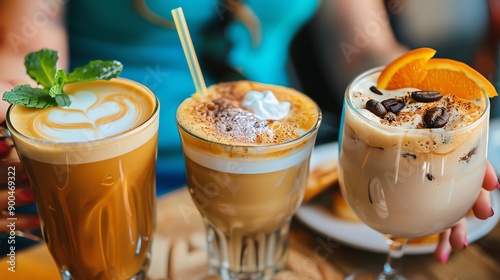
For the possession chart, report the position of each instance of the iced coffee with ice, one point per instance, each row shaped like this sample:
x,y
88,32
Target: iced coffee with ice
x,y
247,147
411,161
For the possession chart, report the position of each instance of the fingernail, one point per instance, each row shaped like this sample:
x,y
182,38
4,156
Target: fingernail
x,y
492,211
443,258
498,185
466,243
26,195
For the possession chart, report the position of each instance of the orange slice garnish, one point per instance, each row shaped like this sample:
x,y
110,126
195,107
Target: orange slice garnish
x,y
407,70
453,77
417,69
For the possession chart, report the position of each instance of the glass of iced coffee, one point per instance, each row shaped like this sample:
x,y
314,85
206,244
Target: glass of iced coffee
x,y
412,160
247,147
92,168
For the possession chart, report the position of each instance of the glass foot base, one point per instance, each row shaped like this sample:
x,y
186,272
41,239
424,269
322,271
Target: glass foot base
x,y
225,274
371,273
66,275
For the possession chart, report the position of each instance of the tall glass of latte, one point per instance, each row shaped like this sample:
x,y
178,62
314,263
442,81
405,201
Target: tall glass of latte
x,y
92,168
247,148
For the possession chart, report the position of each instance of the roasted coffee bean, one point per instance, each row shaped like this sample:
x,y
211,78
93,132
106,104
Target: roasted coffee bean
x,y
375,90
436,117
426,96
376,107
393,104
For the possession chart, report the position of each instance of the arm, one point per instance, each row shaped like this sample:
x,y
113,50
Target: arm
x,y
352,37
366,36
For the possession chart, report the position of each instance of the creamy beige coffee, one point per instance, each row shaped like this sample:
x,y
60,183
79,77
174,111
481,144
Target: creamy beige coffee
x,y
247,173
92,168
402,177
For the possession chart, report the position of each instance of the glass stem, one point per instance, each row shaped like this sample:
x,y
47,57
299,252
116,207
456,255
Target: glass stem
x,y
393,262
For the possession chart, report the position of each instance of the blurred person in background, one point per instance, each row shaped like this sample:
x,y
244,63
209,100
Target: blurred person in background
x,y
234,40
364,34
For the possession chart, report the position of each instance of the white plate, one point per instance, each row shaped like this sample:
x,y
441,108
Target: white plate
x,y
321,219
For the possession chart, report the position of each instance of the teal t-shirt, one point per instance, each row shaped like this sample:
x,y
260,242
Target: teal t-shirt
x,y
126,30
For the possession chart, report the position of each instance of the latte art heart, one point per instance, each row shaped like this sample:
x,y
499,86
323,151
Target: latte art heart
x,y
105,119
89,117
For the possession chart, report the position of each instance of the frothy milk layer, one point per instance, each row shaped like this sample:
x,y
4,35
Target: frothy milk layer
x,y
248,144
258,164
103,110
219,117
386,132
98,110
89,117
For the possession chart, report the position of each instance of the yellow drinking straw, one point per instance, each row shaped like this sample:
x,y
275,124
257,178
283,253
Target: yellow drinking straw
x,y
187,45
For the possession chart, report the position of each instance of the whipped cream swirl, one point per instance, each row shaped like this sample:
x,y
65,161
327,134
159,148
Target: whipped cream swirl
x,y
265,105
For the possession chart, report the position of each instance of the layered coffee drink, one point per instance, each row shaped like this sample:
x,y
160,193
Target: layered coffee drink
x,y
411,161
92,168
247,147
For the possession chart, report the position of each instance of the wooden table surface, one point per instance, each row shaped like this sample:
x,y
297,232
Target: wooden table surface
x,y
481,260
178,252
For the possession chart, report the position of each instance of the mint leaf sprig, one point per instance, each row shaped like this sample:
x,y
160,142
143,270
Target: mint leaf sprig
x,y
41,67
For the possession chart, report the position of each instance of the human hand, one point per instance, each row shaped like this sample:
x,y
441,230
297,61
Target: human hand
x,y
15,190
455,238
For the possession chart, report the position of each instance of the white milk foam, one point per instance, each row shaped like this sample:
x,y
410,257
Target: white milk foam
x,y
456,108
94,127
85,119
408,125
254,165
